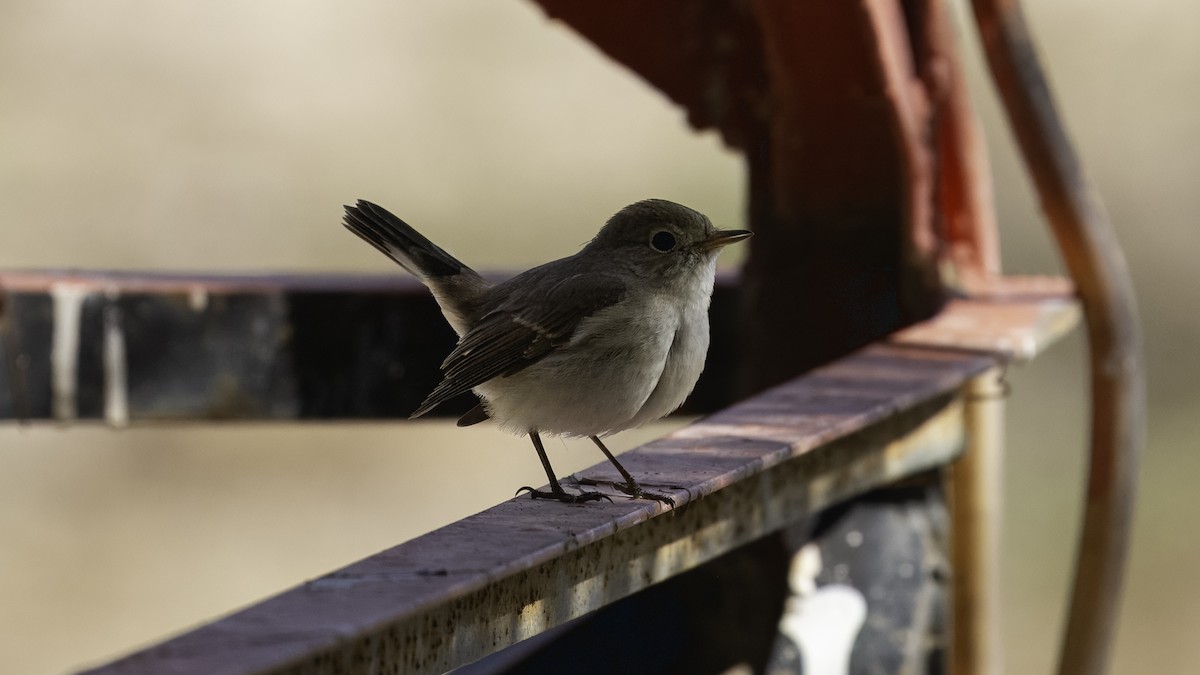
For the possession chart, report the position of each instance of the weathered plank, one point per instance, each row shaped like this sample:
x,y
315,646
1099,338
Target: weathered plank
x,y
524,566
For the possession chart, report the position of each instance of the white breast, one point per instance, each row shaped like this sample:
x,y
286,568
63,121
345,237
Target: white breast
x,y
684,363
630,364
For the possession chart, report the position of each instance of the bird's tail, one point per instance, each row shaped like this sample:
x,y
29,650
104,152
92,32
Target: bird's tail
x,y
455,286
399,241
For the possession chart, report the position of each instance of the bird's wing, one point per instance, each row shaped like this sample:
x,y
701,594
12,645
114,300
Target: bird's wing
x,y
521,332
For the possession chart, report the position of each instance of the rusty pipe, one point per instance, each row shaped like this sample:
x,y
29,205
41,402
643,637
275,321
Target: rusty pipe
x,y
1094,259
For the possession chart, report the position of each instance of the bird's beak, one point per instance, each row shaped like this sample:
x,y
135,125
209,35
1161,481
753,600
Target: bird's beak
x,y
722,238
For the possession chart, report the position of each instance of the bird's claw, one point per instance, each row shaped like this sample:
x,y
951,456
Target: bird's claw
x,y
635,491
564,496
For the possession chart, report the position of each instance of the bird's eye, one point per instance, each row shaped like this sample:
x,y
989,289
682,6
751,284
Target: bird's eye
x,y
662,241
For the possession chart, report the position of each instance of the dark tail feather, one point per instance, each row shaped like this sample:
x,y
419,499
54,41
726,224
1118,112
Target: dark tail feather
x,y
399,241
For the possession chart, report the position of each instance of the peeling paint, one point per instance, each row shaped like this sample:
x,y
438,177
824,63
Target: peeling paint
x,y
198,298
67,299
823,622
116,389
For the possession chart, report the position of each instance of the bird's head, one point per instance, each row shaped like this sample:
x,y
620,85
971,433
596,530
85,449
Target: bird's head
x,y
659,239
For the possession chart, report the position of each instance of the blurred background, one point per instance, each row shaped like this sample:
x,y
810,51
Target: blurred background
x,y
226,136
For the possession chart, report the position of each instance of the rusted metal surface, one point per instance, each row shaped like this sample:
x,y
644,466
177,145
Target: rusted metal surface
x,y
1089,247
838,188
523,566
966,213
127,347
1013,317
681,625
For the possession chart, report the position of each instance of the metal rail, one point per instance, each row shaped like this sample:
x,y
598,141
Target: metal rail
x,y
125,347
889,411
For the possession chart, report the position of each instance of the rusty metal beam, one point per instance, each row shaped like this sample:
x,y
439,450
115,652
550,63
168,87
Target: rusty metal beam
x,y
966,213
881,414
1014,317
524,566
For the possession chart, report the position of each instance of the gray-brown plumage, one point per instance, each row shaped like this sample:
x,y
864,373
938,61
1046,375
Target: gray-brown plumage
x,y
604,340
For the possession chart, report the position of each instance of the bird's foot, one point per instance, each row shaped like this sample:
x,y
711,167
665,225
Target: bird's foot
x,y
564,496
635,491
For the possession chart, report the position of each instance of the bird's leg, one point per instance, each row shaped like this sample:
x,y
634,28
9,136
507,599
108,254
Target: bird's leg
x,y
556,491
630,486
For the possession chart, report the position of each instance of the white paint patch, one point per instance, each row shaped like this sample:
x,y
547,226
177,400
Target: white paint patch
x,y
198,298
806,565
825,625
67,301
116,388
824,622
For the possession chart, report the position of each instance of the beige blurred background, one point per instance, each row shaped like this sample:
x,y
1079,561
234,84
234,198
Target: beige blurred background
x,y
226,135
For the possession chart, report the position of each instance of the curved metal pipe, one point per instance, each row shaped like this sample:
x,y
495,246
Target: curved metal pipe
x,y
1093,257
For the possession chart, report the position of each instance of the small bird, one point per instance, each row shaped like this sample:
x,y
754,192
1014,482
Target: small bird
x,y
605,340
